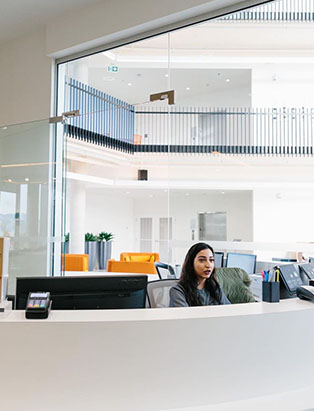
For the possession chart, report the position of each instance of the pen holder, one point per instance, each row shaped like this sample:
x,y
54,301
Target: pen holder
x,y
271,291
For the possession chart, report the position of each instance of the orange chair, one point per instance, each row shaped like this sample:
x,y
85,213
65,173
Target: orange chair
x,y
134,263
131,267
75,262
139,257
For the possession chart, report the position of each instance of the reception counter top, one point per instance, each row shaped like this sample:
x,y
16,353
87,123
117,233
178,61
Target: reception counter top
x,y
157,359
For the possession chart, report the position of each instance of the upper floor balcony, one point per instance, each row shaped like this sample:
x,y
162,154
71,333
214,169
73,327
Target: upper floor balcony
x,y
280,10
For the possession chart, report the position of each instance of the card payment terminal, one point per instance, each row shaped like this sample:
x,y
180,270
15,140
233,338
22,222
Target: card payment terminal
x,y
38,305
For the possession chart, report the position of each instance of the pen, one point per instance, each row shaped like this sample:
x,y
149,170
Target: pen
x,y
277,277
266,275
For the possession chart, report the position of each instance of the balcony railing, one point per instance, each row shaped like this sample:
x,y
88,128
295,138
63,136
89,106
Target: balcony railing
x,y
112,123
280,10
103,120
246,131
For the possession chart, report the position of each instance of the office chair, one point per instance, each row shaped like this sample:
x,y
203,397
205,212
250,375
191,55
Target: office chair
x,y
162,266
158,292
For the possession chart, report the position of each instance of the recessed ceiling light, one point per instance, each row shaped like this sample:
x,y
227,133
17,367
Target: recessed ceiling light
x,y
187,88
4,128
228,80
9,180
166,75
129,84
222,192
187,194
26,179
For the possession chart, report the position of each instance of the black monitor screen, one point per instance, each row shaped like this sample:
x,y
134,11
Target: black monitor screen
x,y
219,259
245,261
85,293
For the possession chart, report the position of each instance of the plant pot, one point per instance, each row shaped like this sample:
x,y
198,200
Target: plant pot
x,y
91,250
104,253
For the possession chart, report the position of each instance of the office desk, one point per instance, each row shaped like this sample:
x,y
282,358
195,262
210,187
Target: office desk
x,y
157,359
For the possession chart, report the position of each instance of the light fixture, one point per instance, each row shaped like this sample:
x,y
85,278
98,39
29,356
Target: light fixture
x,y
228,80
4,128
166,75
26,179
129,84
9,180
222,192
187,88
187,194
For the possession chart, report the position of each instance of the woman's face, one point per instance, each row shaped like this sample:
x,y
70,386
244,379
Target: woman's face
x,y
204,264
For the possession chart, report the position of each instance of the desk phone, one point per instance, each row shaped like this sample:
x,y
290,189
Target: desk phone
x,y
308,269
38,305
290,280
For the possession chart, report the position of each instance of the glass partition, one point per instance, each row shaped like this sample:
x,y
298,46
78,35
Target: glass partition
x,y
27,198
229,163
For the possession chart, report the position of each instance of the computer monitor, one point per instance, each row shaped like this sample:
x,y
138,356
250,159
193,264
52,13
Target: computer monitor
x,y
245,261
219,259
85,293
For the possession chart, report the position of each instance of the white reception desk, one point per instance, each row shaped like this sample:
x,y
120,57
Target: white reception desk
x,y
203,358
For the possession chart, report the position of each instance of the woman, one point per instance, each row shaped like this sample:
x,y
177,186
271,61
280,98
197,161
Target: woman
x,y
198,283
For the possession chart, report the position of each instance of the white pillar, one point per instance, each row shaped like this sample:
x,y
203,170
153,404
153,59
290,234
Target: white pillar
x,y
77,205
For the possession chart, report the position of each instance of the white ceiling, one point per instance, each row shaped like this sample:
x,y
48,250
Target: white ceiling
x,y
18,17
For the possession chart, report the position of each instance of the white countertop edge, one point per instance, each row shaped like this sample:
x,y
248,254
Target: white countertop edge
x,y
296,400
162,314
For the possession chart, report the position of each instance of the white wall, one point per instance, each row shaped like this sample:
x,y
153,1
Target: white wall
x,y
25,79
111,213
283,85
283,215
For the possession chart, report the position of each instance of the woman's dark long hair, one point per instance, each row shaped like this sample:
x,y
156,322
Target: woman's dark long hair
x,y
189,280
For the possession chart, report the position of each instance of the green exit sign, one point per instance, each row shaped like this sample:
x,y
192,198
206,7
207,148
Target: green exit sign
x,y
112,69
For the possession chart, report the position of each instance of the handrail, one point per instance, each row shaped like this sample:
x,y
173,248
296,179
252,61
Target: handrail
x,y
280,10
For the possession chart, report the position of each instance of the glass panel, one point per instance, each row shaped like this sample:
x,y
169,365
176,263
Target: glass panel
x,y
237,134
26,197
108,185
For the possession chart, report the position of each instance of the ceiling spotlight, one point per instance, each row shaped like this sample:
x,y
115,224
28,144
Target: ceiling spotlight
x,y
129,84
9,180
187,88
228,80
26,179
222,192
166,75
4,128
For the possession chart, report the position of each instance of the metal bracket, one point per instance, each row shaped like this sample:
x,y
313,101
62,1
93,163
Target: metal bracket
x,y
60,119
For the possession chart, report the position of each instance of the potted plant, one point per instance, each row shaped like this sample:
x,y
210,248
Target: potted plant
x,y
91,249
104,248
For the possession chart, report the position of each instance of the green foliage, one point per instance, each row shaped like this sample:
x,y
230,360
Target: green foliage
x,y
67,237
103,236
90,237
